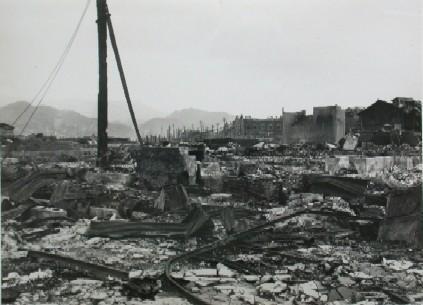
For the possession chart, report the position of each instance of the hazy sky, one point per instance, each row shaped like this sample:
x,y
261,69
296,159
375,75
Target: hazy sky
x,y
240,56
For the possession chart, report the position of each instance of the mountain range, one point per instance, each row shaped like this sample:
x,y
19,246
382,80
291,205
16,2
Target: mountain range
x,y
60,123
67,123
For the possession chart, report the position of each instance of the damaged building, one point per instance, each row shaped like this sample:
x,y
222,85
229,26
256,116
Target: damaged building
x,y
386,123
403,114
248,127
325,125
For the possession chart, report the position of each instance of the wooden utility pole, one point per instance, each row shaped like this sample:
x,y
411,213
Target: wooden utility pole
x,y
102,84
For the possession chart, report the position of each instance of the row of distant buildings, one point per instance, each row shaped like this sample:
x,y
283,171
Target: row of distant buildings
x,y
330,124
325,125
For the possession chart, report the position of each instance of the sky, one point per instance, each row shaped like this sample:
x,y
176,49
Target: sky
x,y
253,57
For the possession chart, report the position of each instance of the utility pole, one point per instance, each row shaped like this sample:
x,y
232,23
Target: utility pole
x,y
102,83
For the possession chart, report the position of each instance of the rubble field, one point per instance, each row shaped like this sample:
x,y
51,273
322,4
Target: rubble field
x,y
294,226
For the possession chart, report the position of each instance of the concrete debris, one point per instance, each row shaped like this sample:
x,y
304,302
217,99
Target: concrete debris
x,y
113,181
13,278
272,288
397,265
241,221
311,289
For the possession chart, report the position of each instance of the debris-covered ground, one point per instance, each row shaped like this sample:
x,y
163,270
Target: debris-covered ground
x,y
291,226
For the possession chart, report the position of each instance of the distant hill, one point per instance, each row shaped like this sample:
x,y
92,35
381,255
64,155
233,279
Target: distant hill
x,y
67,123
185,118
61,123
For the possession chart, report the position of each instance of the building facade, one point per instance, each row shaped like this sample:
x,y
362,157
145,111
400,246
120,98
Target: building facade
x,y
325,125
248,127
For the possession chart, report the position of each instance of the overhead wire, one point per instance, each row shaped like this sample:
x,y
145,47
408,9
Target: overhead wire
x,y
48,83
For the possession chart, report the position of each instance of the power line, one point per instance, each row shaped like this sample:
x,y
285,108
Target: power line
x,y
47,84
